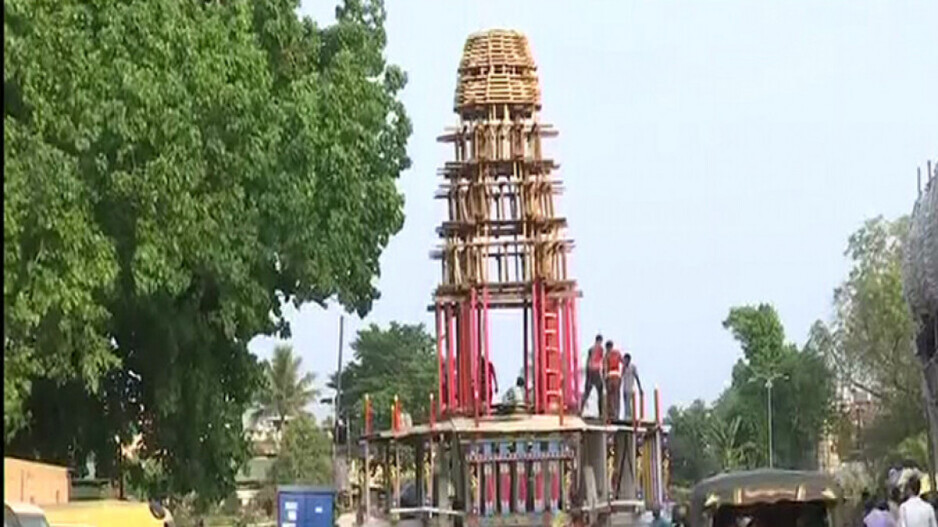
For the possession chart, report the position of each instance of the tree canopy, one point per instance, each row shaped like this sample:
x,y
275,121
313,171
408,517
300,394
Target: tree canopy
x,y
692,459
305,455
174,172
802,395
868,348
400,360
732,434
870,342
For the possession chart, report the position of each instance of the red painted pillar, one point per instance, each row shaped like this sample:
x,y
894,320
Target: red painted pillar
x,y
439,355
576,352
486,339
451,360
473,350
535,331
568,367
466,371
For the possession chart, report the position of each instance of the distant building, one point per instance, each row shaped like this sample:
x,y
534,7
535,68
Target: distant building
x,y
263,430
35,483
264,433
252,477
859,408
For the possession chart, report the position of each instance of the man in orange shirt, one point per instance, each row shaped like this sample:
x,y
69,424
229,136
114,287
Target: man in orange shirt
x,y
613,380
594,374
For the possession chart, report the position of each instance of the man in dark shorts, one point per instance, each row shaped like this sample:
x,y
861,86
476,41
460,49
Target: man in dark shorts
x,y
594,374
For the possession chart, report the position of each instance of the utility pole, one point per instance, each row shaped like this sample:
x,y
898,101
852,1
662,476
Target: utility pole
x,y
338,379
769,380
339,462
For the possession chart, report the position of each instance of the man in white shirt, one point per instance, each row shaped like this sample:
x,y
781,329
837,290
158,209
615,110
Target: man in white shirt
x,y
629,379
916,512
879,516
515,395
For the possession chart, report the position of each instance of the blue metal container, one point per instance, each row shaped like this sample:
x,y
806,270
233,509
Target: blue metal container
x,y
300,506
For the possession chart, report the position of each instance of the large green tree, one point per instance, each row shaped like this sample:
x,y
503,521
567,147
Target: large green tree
x,y
870,342
287,392
397,361
802,392
873,349
174,172
305,455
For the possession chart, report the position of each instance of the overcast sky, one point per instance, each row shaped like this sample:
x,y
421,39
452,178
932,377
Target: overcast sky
x,y
714,154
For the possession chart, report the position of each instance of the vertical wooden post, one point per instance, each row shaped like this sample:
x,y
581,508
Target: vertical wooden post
x,y
388,477
368,415
366,484
432,412
397,475
635,409
635,432
641,404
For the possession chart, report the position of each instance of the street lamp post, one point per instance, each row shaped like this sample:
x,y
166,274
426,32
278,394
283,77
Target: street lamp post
x,y
769,380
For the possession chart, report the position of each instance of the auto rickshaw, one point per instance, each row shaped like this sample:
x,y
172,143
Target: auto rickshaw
x,y
767,498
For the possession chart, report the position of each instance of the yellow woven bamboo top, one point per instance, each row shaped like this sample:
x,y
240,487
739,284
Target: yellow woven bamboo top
x,y
497,67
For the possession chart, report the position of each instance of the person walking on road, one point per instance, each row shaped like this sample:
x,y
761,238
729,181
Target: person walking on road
x,y
594,374
613,381
916,512
629,380
879,516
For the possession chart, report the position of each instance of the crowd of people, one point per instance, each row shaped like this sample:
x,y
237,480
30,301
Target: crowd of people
x,y
898,508
613,374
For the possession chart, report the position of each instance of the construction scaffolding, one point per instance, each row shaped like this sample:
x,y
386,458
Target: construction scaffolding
x,y
476,462
503,246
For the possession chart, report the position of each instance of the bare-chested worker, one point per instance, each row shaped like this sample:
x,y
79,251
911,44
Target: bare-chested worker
x,y
594,374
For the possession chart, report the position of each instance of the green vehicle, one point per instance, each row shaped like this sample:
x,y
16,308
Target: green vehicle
x,y
767,498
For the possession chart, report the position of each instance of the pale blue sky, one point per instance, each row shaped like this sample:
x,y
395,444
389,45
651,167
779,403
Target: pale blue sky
x,y
714,154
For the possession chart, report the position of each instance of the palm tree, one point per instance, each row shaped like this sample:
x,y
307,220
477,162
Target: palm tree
x,y
724,439
286,394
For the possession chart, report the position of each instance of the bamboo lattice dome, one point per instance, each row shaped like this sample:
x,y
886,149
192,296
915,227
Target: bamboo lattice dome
x,y
497,67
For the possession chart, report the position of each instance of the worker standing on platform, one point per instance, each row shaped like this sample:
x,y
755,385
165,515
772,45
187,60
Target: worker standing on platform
x,y
613,380
515,395
594,374
629,380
